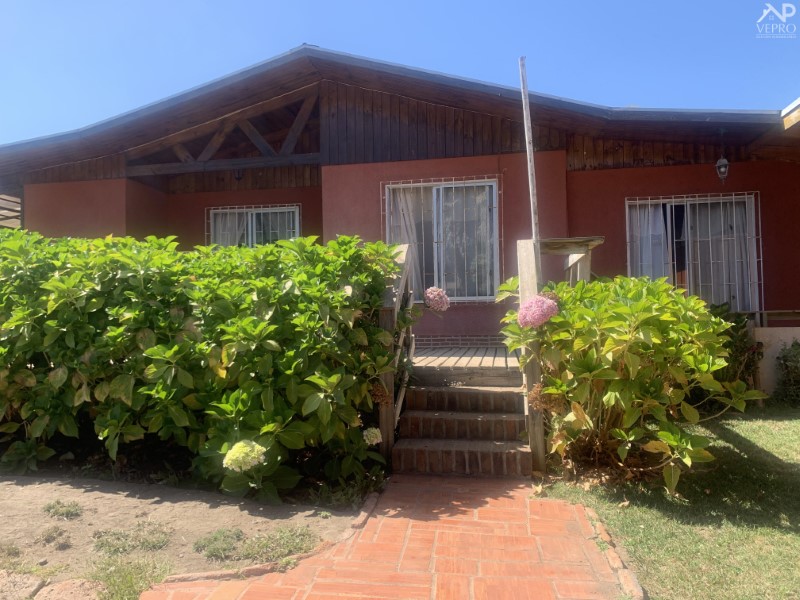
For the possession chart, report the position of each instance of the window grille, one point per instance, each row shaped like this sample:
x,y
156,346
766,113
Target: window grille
x,y
452,231
251,225
709,245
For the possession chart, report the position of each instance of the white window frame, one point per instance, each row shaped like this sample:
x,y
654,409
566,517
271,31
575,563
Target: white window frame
x,y
492,183
755,285
251,212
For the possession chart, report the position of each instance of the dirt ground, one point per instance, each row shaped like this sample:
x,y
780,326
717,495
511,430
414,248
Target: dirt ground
x,y
188,514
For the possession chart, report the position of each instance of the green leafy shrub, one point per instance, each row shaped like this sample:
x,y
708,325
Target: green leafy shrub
x,y
276,344
788,389
744,352
619,361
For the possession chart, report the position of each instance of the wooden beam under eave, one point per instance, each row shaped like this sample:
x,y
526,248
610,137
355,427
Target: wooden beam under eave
x,y
223,165
207,127
297,127
215,142
183,153
792,118
255,137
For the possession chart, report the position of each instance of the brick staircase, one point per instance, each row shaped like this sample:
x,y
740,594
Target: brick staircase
x,y
471,430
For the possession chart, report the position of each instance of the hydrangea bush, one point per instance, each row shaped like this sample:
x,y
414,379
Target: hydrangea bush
x,y
537,311
244,456
372,436
213,349
619,360
436,299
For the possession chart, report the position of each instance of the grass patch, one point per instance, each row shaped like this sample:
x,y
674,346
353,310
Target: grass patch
x,y
219,545
55,535
126,578
11,559
276,546
145,535
279,544
734,533
63,510
9,551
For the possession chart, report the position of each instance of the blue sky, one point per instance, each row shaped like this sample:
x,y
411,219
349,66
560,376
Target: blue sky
x,y
67,64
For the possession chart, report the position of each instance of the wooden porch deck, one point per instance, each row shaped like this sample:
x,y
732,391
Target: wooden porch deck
x,y
491,357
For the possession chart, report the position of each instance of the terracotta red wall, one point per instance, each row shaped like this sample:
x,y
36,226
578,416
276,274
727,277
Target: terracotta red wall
x,y
145,210
596,206
78,208
352,204
186,213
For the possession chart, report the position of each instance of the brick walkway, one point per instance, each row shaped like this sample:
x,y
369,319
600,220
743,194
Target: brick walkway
x,y
439,537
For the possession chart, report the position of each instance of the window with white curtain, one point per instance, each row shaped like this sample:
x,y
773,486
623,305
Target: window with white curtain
x,y
251,225
452,232
709,245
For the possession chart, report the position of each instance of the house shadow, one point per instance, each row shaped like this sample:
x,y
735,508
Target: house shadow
x,y
746,485
159,495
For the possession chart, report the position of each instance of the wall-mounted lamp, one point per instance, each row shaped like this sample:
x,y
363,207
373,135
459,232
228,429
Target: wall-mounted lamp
x,y
238,174
722,164
722,168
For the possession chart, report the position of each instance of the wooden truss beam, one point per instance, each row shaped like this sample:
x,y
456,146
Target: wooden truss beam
x,y
182,153
298,126
255,137
222,165
215,142
214,125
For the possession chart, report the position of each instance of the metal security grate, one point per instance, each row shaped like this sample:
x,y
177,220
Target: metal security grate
x,y
250,225
452,229
708,244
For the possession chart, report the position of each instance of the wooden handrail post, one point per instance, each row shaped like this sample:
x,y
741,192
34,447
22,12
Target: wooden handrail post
x,y
395,291
386,320
528,287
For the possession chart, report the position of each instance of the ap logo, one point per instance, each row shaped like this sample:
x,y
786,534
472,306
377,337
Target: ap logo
x,y
768,27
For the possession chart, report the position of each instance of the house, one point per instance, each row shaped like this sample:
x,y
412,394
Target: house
x,y
321,143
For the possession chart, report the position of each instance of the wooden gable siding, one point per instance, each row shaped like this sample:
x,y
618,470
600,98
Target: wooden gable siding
x,y
585,153
106,167
359,125
251,179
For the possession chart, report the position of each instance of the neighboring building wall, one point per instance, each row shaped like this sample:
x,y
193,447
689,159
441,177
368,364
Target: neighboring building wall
x,y
78,208
145,210
596,206
352,204
773,340
186,213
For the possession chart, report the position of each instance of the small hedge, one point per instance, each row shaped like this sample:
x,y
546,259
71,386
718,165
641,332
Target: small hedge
x,y
277,344
788,362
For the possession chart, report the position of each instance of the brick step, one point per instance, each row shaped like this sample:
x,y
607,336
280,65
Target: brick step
x,y
461,425
466,376
464,457
466,399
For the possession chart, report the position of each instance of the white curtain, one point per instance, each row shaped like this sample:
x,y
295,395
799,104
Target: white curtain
x,y
411,222
720,269
648,245
229,228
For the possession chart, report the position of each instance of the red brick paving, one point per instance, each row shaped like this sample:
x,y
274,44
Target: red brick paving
x,y
441,537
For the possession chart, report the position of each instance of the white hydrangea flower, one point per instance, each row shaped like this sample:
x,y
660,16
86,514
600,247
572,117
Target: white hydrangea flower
x,y
243,456
372,436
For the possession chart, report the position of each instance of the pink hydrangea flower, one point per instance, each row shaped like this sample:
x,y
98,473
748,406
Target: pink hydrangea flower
x,y
436,299
536,311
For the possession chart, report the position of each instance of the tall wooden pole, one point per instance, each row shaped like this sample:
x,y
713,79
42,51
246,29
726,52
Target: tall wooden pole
x,y
526,111
529,251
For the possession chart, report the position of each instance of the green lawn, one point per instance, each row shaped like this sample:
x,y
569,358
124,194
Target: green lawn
x,y
736,532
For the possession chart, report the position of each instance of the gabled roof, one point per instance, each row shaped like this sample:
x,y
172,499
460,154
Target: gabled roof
x,y
308,65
